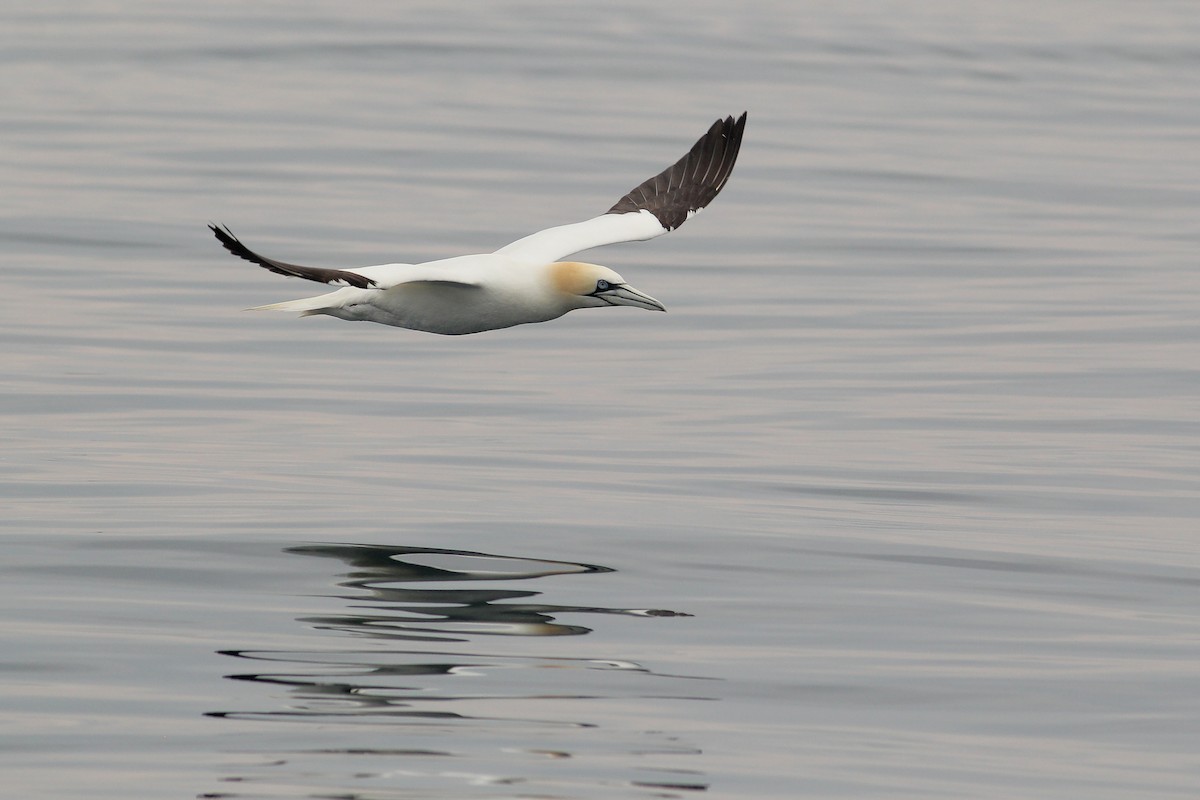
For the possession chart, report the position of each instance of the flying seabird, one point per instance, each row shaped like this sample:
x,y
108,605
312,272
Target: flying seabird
x,y
525,281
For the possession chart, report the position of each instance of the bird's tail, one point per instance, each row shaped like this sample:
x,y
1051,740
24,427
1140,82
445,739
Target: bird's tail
x,y
307,306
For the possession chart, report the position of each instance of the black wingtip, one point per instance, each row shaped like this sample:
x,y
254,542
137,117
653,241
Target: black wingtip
x,y
230,242
692,182
319,274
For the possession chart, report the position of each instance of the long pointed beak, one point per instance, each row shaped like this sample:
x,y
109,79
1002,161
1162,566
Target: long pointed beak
x,y
626,295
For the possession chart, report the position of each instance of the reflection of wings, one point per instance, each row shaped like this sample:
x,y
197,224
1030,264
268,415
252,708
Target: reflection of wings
x,y
425,613
379,564
468,696
657,206
429,614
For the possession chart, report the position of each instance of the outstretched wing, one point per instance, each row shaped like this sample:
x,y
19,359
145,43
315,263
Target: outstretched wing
x,y
658,206
461,271
319,274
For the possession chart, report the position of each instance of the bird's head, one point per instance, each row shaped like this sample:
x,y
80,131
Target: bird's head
x,y
594,286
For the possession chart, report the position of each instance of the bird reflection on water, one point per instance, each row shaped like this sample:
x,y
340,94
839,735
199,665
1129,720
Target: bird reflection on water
x,y
450,614
425,705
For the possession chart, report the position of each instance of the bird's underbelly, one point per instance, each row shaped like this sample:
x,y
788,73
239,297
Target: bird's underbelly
x,y
449,309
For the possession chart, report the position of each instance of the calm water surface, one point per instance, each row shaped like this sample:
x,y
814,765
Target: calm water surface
x,y
898,501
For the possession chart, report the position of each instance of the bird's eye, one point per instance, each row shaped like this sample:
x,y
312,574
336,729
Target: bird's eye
x,y
603,285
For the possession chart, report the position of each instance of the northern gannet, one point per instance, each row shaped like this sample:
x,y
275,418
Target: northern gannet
x,y
524,281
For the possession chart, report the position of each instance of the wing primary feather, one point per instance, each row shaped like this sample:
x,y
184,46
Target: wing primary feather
x,y
669,199
318,274
707,157
693,181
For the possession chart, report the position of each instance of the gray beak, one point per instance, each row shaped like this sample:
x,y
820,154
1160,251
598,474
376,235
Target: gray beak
x,y
625,295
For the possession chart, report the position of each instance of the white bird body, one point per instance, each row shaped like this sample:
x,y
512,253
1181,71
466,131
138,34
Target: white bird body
x,y
524,281
466,294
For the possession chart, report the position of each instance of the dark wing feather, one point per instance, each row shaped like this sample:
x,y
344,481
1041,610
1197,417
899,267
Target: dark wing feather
x,y
319,274
693,181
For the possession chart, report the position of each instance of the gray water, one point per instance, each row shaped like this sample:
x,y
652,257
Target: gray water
x,y
898,501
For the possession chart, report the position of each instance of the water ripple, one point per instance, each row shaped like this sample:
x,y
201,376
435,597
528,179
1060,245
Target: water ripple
x,y
424,706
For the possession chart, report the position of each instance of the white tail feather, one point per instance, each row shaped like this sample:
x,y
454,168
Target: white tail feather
x,y
307,306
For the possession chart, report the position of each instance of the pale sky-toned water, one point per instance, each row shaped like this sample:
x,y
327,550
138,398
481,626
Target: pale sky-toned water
x,y
899,500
